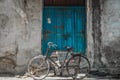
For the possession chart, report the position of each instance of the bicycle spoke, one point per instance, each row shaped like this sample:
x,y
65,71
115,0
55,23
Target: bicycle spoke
x,y
38,67
78,67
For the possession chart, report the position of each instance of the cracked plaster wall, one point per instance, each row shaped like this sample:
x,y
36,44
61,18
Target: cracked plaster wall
x,y
20,33
110,27
103,34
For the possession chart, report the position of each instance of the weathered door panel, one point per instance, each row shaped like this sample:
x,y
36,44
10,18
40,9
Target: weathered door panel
x,y
80,29
65,26
68,27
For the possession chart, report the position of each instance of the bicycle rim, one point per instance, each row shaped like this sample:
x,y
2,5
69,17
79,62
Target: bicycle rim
x,y
78,66
38,67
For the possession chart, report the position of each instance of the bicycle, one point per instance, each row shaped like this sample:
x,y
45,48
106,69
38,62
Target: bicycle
x,y
77,65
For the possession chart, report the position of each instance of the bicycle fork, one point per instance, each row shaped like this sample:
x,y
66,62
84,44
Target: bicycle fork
x,y
55,65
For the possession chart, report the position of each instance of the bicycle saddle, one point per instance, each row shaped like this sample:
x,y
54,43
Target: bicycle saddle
x,y
68,48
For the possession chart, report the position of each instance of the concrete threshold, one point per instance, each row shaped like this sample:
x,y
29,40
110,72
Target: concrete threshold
x,y
69,78
51,78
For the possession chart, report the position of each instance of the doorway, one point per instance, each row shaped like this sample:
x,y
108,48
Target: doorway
x,y
64,23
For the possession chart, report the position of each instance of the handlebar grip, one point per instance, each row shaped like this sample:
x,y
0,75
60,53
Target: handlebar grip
x,y
51,44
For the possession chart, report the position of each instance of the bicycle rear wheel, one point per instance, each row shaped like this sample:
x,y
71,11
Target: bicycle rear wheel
x,y
78,66
38,67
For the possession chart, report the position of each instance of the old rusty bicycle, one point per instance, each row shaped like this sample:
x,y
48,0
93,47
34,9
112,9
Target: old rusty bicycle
x,y
76,65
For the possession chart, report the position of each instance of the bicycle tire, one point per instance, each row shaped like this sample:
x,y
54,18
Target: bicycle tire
x,y
76,68
38,67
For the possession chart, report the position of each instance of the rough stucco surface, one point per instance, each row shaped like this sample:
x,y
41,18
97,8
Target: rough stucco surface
x,y
20,33
94,33
90,46
103,34
110,26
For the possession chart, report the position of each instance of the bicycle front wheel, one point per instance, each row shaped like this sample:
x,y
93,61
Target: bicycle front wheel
x,y
78,66
38,67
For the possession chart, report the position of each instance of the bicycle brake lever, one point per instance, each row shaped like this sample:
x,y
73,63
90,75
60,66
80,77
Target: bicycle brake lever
x,y
54,45
50,44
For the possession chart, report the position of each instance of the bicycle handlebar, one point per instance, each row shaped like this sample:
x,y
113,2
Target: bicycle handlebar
x,y
51,44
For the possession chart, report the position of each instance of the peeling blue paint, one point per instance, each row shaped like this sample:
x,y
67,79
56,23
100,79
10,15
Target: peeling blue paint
x,y
66,26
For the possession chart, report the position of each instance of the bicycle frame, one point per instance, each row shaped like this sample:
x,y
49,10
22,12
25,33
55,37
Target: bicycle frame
x,y
53,62
71,61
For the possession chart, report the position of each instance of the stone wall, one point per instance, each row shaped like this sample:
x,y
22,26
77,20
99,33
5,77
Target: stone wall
x,y
110,27
20,33
103,34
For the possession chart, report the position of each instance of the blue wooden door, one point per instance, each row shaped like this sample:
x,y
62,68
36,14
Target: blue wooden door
x,y
65,26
